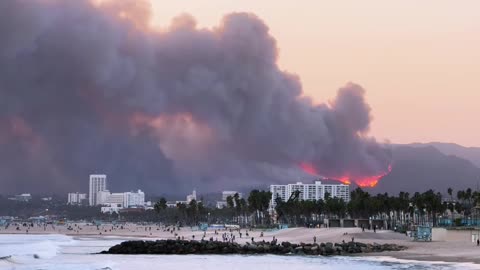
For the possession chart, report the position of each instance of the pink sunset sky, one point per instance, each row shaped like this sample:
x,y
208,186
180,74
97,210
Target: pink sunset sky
x,y
418,60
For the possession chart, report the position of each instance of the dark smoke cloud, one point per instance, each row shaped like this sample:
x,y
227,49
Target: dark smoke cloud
x,y
90,88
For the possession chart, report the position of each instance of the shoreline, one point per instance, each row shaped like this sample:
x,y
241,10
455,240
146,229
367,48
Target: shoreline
x,y
457,248
401,255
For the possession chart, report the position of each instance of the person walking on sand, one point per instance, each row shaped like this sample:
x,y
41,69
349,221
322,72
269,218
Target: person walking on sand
x,y
314,239
478,242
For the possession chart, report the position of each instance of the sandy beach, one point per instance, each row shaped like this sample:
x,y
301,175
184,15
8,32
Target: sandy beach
x,y
457,246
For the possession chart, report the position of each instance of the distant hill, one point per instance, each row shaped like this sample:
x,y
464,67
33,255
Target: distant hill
x,y
419,168
469,153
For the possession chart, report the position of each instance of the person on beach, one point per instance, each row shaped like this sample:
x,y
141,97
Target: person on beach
x,y
314,239
478,242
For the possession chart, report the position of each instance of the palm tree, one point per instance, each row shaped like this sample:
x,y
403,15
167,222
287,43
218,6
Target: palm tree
x,y
258,202
160,205
230,203
450,192
468,196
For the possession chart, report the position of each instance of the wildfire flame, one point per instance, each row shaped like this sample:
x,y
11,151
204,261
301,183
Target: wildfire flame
x,y
362,181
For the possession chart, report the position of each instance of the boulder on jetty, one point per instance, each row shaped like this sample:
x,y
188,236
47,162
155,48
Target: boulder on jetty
x,y
217,247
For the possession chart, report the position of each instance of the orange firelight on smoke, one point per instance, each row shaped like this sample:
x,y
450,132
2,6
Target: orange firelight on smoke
x,y
362,181
308,168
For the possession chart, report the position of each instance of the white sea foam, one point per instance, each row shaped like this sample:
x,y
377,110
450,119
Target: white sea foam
x,y
63,252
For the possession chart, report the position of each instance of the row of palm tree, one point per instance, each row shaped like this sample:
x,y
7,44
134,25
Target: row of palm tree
x,y
419,208
253,211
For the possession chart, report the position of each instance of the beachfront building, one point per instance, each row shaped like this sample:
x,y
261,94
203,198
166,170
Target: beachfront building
x,y
98,182
134,199
309,192
113,202
111,208
115,198
106,197
76,198
172,204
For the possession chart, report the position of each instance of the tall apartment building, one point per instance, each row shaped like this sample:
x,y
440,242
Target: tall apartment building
x,y
76,198
98,182
315,191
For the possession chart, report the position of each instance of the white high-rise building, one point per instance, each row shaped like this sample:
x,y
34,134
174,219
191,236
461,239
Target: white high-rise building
x,y
133,199
315,191
98,182
76,198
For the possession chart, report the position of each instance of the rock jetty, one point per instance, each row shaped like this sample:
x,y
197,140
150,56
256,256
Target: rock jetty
x,y
217,247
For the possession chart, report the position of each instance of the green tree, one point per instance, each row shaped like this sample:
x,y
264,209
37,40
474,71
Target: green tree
x,y
258,202
160,205
230,203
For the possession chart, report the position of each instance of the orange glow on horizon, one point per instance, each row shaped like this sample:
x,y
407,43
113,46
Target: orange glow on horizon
x,y
361,181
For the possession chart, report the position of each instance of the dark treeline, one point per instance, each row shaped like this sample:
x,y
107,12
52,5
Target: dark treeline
x,y
403,209
253,211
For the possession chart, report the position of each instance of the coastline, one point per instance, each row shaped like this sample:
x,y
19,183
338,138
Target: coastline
x,y
455,249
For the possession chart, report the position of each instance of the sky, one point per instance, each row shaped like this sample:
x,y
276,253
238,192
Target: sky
x,y
418,60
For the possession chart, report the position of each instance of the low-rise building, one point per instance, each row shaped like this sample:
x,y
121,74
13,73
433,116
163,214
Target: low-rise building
x,y
134,199
25,197
111,208
76,198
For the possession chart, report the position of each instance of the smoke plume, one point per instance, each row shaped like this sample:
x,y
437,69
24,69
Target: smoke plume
x,y
91,88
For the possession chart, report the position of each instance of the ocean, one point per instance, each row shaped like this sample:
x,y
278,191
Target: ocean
x,y
35,252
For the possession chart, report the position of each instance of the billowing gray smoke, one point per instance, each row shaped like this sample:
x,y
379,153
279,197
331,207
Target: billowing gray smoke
x,y
90,88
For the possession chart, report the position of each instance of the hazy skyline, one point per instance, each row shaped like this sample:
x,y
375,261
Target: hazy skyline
x,y
418,61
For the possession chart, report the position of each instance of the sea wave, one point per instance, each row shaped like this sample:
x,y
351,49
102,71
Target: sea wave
x,y
64,252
